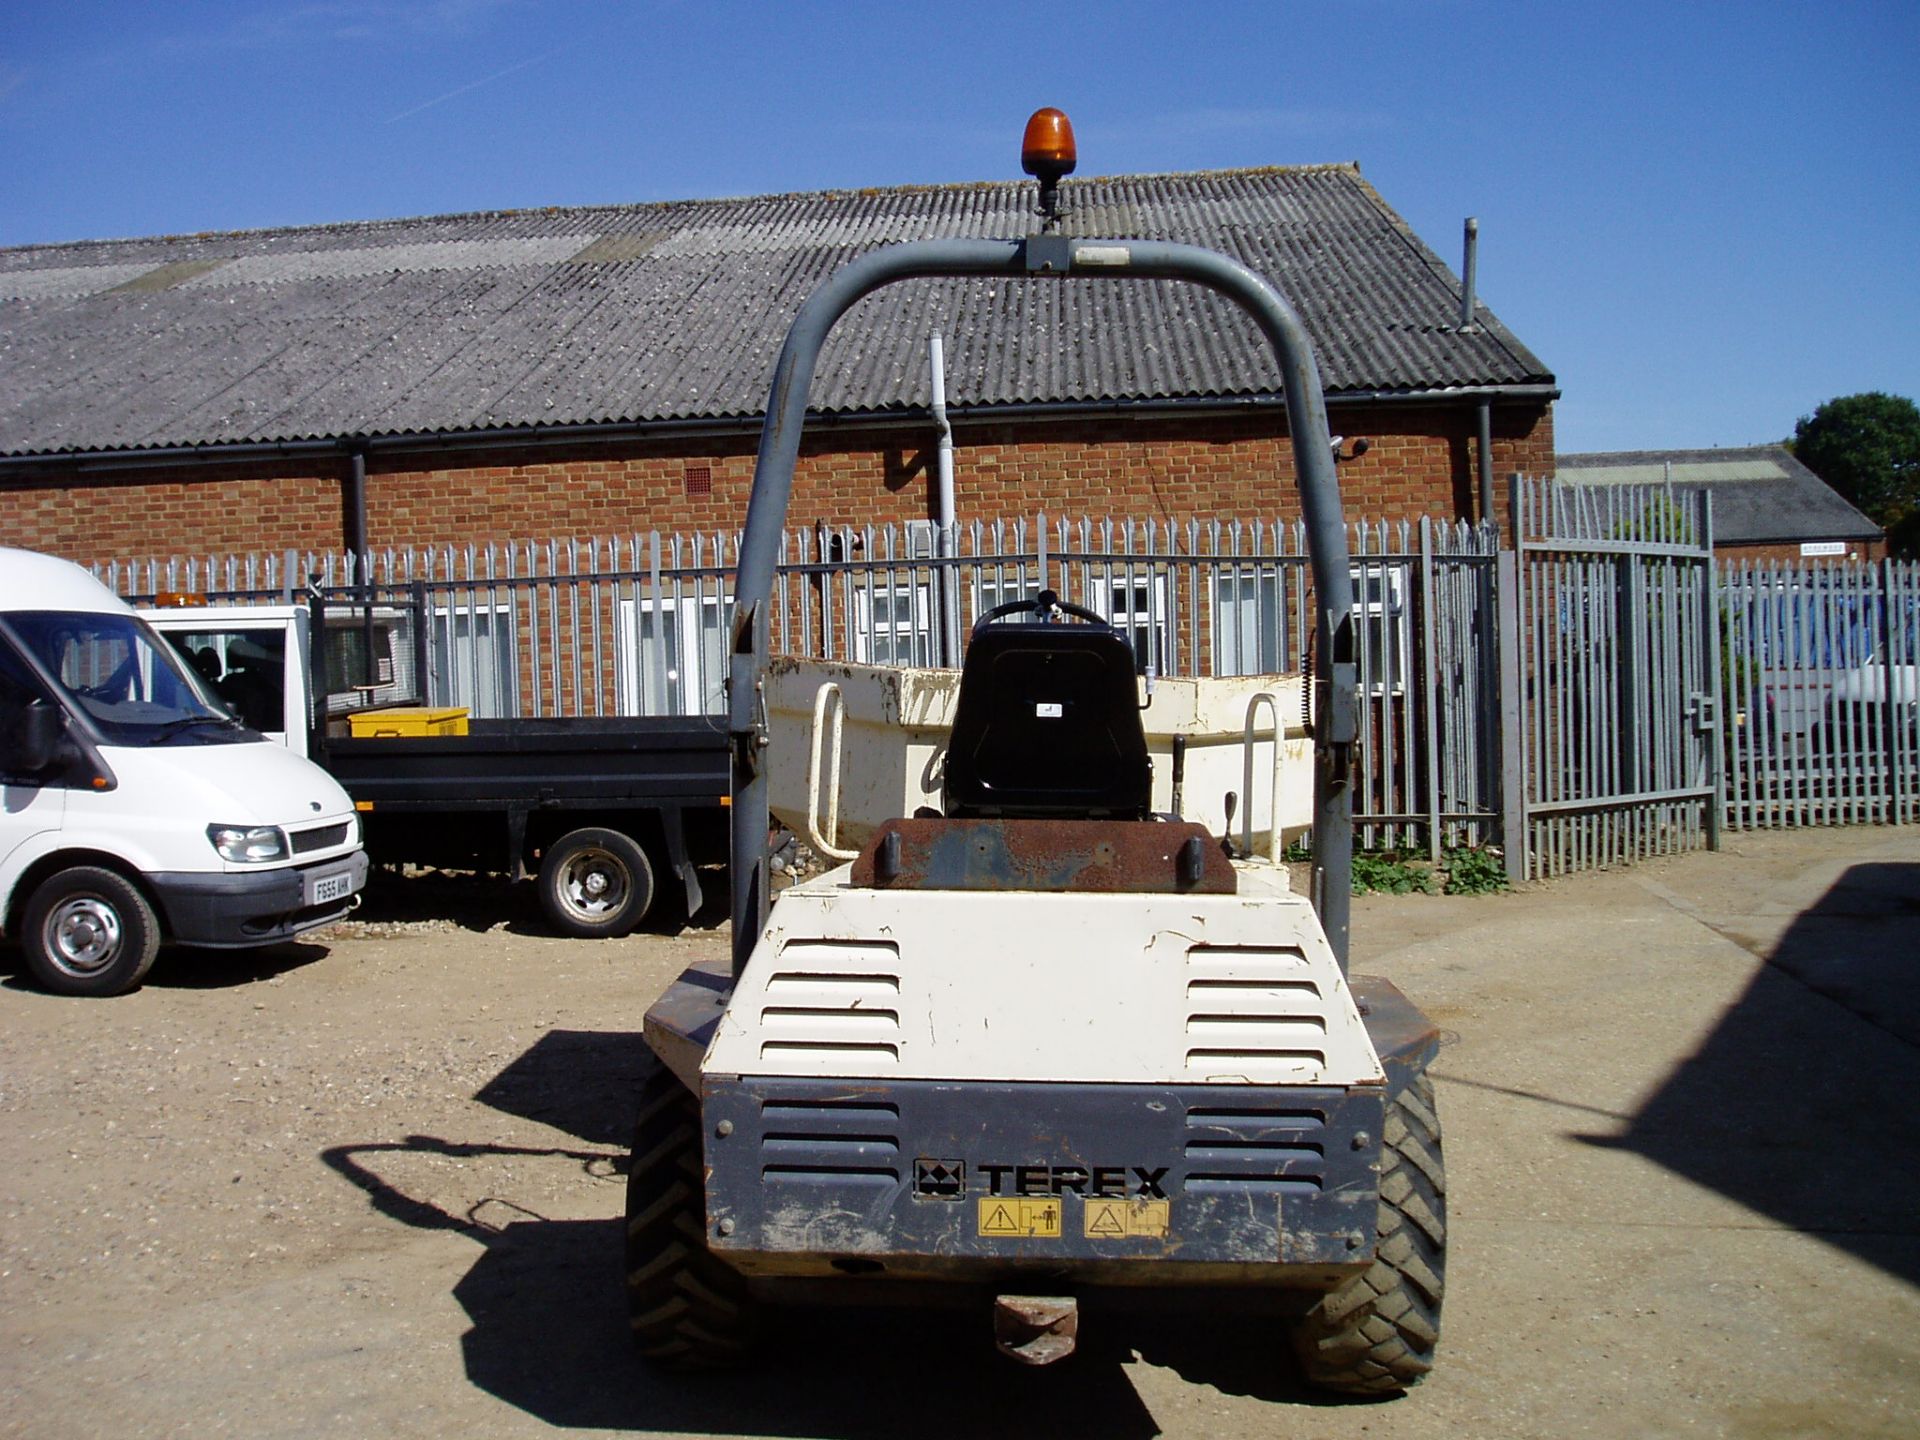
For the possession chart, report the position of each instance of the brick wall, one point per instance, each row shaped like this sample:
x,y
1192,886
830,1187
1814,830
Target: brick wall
x,y
1420,462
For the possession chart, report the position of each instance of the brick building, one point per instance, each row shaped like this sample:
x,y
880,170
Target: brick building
x,y
596,371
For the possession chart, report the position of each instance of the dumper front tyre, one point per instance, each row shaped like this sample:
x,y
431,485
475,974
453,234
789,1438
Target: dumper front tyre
x,y
689,1309
88,931
595,884
1376,1334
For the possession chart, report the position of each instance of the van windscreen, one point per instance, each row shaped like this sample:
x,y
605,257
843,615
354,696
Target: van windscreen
x,y
113,670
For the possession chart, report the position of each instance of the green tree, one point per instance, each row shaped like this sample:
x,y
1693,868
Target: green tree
x,y
1867,447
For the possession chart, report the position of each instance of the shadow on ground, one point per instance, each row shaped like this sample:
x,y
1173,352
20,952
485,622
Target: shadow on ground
x,y
549,1332
188,967
481,902
1801,1103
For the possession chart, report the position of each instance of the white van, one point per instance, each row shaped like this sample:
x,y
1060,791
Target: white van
x,y
136,808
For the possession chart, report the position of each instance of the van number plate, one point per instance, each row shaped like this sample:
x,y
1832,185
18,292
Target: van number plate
x,y
322,888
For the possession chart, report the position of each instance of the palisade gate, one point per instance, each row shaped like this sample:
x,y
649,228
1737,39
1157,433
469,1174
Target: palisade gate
x,y
1610,677
1556,689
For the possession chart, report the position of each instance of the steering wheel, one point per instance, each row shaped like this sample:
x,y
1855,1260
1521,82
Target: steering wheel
x,y
121,680
1046,605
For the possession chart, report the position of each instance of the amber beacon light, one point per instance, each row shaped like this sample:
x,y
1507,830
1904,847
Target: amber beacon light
x,y
1047,153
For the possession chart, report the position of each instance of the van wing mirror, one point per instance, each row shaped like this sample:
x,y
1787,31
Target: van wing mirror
x,y
36,730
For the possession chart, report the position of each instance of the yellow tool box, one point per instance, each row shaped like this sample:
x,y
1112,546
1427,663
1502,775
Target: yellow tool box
x,y
408,720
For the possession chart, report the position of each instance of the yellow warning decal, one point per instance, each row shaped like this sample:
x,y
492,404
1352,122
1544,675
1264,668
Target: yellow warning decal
x,y
1009,1218
1128,1219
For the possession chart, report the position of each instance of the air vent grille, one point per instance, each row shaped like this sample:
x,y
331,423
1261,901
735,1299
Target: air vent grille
x,y
833,1000
1255,1149
1253,1013
829,1142
321,837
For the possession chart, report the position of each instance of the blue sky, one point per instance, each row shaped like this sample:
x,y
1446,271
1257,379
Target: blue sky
x,y
1705,218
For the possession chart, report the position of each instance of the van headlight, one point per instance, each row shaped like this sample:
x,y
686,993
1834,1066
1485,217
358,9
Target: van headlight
x,y
248,844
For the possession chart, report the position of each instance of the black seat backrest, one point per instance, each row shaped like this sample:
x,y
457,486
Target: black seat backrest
x,y
1048,726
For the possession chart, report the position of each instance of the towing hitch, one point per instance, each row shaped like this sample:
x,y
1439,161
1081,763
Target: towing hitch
x,y
1036,1329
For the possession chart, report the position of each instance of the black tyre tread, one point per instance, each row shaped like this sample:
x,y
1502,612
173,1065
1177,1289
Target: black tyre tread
x,y
630,852
1376,1334
139,923
689,1309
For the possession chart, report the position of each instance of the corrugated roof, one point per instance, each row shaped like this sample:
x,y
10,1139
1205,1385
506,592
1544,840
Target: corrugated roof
x,y
676,311
1761,494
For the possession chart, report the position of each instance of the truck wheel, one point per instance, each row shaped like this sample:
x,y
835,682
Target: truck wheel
x,y
690,1310
1376,1334
595,884
87,931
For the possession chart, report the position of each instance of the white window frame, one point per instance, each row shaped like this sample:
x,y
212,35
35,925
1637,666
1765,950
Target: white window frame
x,y
447,657
892,641
994,585
1155,621
1383,625
1250,621
695,682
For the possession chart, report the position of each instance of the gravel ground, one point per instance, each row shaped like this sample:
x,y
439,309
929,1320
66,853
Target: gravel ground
x,y
370,1184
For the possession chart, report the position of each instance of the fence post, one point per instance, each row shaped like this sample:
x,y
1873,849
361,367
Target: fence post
x,y
1510,727
1429,690
1890,726
1716,680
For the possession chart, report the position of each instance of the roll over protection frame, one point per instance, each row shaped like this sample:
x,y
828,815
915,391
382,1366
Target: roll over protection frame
x,y
1336,676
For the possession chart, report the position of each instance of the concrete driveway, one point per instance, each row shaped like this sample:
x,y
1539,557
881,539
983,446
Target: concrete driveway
x,y
372,1187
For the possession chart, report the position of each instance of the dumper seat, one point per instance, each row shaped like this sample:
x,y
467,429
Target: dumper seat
x,y
1048,727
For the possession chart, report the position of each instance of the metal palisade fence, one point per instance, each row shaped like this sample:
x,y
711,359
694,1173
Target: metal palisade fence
x,y
1583,689
1820,666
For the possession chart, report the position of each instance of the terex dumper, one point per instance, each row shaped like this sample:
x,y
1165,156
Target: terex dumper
x,y
1048,1050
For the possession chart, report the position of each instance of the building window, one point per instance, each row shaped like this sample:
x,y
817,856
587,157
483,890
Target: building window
x,y
1250,623
1381,626
473,659
892,622
1138,607
1001,587
672,655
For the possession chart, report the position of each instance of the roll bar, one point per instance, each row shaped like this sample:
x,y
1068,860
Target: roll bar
x,y
1041,257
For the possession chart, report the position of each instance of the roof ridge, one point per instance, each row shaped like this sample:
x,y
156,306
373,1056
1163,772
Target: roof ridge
x,y
1703,452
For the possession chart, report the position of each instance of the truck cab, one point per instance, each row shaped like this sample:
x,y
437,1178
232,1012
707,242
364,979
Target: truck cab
x,y
258,662
137,807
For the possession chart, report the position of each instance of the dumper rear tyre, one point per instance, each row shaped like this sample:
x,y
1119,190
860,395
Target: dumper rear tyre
x,y
88,931
689,1309
596,884
1376,1334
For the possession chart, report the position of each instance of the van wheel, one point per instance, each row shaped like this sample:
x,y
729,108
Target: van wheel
x,y
1376,1334
690,1310
595,884
89,932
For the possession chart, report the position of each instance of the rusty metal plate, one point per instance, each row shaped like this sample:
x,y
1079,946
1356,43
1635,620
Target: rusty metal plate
x,y
1100,856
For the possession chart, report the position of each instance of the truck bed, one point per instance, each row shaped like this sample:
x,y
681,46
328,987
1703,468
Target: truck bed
x,y
538,762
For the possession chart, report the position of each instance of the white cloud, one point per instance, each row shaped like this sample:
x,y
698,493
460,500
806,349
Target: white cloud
x,y
355,22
